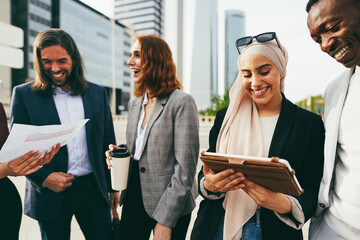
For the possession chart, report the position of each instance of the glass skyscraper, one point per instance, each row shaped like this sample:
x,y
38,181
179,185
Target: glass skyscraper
x,y
234,29
92,33
204,62
146,16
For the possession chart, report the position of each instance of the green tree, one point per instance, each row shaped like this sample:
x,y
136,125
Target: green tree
x,y
217,102
313,103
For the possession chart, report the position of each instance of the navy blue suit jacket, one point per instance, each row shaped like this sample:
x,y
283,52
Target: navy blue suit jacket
x,y
29,107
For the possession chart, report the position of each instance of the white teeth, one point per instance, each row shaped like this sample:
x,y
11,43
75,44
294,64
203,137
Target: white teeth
x,y
57,75
341,52
260,91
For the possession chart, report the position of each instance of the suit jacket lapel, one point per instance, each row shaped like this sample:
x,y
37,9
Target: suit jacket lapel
x,y
88,112
334,102
48,106
51,111
282,129
333,109
158,108
133,121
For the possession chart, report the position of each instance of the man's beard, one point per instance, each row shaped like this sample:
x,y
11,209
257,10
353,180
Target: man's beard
x,y
50,80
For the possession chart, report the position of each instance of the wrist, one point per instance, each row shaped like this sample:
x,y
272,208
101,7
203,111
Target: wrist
x,y
4,172
285,204
207,187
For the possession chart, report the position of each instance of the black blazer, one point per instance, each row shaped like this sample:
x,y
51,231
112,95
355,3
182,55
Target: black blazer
x,y
299,138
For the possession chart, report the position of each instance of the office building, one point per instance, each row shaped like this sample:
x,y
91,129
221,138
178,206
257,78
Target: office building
x,y
32,16
11,39
174,32
203,83
93,33
146,16
234,29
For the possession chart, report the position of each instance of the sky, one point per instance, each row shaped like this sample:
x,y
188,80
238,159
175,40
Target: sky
x,y
309,70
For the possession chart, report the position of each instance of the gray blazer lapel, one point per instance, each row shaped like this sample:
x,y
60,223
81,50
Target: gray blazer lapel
x,y
132,124
158,108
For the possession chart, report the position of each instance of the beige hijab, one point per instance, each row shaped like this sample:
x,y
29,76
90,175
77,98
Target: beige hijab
x,y
241,133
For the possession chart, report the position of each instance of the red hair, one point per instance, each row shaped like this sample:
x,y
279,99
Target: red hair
x,y
158,71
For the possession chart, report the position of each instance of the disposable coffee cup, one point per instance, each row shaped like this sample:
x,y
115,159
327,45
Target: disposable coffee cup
x,y
120,168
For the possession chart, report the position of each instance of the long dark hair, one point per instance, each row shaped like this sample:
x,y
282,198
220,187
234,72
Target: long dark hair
x,y
53,37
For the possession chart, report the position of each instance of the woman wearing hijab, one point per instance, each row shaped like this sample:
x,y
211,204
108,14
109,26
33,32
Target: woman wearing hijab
x,y
260,121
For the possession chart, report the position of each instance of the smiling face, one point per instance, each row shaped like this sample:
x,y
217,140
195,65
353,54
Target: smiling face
x,y
57,65
261,81
335,26
135,62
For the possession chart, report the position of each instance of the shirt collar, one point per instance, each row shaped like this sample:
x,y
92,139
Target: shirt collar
x,y
59,90
146,99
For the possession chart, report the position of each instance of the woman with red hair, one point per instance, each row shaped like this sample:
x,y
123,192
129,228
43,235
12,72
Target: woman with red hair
x,y
163,137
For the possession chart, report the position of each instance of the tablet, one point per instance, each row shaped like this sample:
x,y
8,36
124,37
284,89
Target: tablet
x,y
272,173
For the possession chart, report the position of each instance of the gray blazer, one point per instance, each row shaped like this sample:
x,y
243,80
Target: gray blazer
x,y
170,155
334,101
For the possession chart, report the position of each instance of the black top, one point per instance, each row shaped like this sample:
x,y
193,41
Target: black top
x,y
10,202
299,138
4,130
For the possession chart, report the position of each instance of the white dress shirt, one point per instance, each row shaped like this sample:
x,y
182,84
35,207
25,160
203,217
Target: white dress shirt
x,y
296,217
140,134
70,109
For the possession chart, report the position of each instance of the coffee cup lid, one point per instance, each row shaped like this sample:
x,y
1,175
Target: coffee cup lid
x,y
121,152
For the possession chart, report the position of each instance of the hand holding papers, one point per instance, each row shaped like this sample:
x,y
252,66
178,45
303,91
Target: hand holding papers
x,y
274,174
24,138
27,163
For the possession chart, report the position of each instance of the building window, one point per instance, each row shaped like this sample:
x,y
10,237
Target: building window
x,y
33,33
41,4
40,19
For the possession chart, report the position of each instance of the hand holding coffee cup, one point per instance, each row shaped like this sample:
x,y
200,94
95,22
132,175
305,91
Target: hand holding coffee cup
x,y
112,147
118,159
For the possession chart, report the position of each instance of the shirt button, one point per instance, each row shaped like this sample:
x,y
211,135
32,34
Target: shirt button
x,y
142,169
322,205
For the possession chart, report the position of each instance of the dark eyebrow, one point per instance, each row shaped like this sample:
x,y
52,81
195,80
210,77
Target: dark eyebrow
x,y
322,27
60,59
134,52
265,65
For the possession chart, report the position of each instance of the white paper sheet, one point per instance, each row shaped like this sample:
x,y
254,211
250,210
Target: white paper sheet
x,y
23,138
